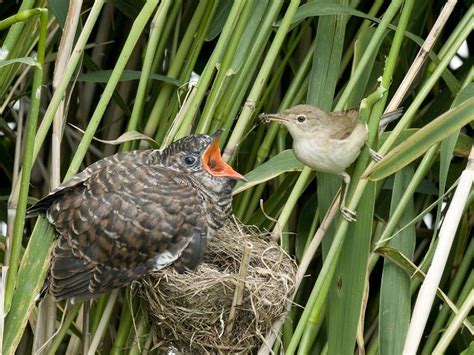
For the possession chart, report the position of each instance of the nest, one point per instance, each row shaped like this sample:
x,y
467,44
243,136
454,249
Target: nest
x,y
213,309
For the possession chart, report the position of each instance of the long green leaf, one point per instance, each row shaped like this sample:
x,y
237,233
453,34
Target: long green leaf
x,y
395,297
421,141
281,163
103,76
26,60
31,276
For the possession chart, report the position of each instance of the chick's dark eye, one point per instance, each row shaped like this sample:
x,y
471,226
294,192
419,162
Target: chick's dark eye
x,y
301,118
189,159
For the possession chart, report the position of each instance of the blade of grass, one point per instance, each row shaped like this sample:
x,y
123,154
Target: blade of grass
x,y
32,272
395,296
322,86
19,224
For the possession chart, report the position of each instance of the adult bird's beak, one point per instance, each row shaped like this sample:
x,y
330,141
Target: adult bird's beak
x,y
275,117
214,164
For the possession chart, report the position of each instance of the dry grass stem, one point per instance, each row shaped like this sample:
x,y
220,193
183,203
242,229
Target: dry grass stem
x,y
239,290
417,63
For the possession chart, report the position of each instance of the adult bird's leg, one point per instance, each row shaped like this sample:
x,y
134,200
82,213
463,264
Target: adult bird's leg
x,y
376,157
348,215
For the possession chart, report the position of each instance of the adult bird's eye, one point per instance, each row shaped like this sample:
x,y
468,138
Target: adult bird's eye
x,y
189,159
301,118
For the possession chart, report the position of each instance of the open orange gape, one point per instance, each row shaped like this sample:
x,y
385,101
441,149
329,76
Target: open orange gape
x,y
215,165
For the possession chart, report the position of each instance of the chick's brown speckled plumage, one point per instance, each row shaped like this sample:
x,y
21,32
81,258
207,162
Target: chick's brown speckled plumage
x,y
135,212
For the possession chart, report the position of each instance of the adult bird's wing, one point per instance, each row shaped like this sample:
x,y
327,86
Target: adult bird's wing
x,y
343,123
119,224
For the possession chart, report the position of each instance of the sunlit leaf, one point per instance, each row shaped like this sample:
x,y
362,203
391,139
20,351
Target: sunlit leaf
x,y
280,163
421,141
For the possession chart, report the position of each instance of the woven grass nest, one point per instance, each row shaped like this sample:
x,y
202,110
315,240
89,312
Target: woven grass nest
x,y
191,312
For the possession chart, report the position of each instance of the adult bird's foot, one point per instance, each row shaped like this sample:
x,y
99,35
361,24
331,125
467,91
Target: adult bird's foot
x,y
348,214
375,156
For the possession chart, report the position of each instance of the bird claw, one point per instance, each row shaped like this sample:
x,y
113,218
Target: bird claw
x,y
348,214
375,156
263,118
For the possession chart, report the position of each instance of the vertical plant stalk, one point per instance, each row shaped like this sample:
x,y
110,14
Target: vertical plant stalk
x,y
13,198
360,69
175,68
103,322
421,56
16,22
296,192
27,162
208,72
2,297
376,5
224,72
142,329
453,328
156,30
387,77
239,290
455,287
260,80
64,54
302,268
47,309
59,336
465,28
135,33
86,334
447,233
129,310
88,89
60,91
321,288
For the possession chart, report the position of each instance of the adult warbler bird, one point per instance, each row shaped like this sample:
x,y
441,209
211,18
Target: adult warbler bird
x,y
327,142
136,212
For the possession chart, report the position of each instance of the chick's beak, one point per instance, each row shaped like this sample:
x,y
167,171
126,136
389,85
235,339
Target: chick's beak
x,y
215,165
